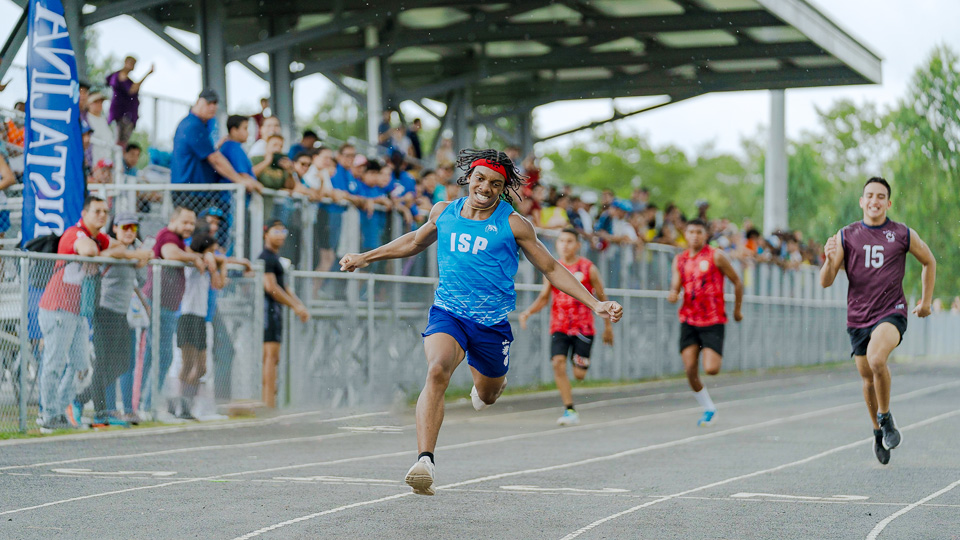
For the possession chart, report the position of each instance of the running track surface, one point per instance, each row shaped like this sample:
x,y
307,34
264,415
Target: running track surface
x,y
789,457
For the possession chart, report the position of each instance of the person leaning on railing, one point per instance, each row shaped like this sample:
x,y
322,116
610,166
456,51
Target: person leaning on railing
x,y
64,329
112,336
196,161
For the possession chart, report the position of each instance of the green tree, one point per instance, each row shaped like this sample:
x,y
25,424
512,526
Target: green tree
x,y
925,127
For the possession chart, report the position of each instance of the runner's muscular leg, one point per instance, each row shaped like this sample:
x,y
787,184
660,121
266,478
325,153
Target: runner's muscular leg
x,y
869,393
691,366
488,389
883,341
711,361
444,354
560,376
579,373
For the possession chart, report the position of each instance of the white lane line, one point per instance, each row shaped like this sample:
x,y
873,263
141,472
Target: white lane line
x,y
315,438
172,451
883,524
144,432
903,397
803,461
402,453
258,532
116,434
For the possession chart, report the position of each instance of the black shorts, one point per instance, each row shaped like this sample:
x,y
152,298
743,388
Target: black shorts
x,y
705,337
860,337
273,324
576,347
192,330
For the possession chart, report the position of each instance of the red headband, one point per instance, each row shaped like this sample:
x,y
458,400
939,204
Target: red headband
x,y
490,165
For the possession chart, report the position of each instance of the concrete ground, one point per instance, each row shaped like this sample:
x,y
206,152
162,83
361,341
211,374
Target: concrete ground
x,y
788,457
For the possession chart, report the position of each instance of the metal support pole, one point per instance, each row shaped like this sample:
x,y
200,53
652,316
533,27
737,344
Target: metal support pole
x,y
13,43
281,91
155,339
371,290
462,133
213,57
525,125
240,224
26,353
374,86
775,176
72,13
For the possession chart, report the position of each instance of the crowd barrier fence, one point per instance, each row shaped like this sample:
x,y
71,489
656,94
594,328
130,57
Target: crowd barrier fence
x,y
45,323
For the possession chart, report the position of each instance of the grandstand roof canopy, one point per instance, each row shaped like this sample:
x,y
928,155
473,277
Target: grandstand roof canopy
x,y
517,55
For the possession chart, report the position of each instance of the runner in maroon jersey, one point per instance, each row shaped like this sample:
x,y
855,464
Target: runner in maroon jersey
x,y
873,252
700,270
571,323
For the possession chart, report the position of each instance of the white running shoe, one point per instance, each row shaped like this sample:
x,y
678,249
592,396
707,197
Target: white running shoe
x,y
478,403
570,418
420,477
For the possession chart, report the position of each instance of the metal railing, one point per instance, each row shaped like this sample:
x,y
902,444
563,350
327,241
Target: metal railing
x,y
234,337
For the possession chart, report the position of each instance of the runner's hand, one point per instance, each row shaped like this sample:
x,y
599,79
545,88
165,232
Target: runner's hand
x,y
831,249
922,310
608,335
609,310
302,313
737,315
673,297
353,261
523,320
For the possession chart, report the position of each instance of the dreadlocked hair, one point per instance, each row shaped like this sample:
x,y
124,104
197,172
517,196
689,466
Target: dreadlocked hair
x,y
514,180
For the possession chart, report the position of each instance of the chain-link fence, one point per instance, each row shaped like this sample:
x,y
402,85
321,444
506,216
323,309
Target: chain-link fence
x,y
153,205
99,341
363,345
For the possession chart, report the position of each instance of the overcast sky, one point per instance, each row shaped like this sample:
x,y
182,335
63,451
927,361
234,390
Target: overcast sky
x,y
902,33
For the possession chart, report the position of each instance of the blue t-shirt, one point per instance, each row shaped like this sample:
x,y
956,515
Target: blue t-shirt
x,y
191,148
477,261
342,180
402,184
371,226
237,158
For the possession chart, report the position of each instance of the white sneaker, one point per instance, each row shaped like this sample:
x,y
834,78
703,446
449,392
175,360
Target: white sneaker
x,y
478,403
420,477
569,418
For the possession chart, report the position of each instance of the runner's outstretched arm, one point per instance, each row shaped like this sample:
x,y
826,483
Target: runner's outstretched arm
x,y
928,276
537,305
723,264
833,250
555,272
601,295
407,245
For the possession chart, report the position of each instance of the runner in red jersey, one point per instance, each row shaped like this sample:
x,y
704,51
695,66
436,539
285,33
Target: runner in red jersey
x,y
873,253
700,270
571,323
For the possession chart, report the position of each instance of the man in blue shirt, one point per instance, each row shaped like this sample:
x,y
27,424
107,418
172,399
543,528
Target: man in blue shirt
x,y
196,161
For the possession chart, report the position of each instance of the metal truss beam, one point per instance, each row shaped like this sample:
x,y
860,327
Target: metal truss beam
x,y
123,7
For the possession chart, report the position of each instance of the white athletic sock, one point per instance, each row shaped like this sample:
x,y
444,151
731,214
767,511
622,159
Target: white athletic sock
x,y
703,398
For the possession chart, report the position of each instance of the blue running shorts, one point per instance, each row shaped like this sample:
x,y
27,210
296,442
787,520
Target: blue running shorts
x,y
487,347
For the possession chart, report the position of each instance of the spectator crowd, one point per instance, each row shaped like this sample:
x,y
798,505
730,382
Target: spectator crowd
x,y
327,178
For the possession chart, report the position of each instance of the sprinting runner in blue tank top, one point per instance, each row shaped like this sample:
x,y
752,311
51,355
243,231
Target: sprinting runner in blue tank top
x,y
478,238
477,260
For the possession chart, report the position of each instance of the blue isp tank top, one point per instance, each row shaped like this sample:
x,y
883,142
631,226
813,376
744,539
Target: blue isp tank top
x,y
477,262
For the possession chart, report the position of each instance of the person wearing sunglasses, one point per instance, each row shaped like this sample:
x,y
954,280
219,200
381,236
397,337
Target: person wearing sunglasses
x,y
112,339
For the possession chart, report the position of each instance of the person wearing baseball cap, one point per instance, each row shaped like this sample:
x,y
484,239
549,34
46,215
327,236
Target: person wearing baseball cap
x,y
112,339
197,161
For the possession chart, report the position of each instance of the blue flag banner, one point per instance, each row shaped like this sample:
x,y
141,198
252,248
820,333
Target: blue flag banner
x,y
54,186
